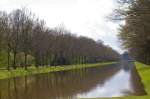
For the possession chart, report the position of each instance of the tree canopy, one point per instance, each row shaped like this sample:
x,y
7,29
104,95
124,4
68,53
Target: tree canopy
x,y
135,34
27,40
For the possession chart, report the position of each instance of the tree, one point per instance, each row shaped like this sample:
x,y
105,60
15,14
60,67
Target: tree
x,y
5,35
135,33
26,32
27,38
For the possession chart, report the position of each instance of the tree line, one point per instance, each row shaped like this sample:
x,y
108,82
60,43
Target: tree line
x,y
135,33
28,41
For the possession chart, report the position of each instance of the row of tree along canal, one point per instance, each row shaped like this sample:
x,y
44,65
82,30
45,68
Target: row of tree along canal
x,y
26,40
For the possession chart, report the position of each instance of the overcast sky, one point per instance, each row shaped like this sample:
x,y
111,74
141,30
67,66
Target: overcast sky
x,y
82,17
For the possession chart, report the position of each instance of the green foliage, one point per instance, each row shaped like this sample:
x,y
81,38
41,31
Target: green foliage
x,y
20,58
3,59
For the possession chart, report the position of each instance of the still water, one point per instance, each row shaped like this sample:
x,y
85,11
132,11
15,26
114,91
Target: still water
x,y
116,80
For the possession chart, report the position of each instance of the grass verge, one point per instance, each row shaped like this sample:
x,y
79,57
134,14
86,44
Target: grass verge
x,y
4,74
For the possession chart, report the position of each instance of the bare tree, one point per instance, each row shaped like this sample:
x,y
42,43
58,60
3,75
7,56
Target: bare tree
x,y
25,35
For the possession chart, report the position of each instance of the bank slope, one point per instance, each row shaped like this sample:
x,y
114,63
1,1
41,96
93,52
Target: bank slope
x,y
144,71
4,74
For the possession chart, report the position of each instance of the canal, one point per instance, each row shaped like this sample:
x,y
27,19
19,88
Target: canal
x,y
117,80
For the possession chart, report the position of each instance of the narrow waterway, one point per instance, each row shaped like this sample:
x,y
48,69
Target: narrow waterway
x,y
116,80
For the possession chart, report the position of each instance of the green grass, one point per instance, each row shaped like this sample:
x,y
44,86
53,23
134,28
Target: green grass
x,y
32,70
144,72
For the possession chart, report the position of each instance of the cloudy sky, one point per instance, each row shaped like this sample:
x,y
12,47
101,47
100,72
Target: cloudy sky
x,y
82,17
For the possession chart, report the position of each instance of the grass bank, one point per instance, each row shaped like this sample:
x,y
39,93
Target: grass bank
x,y
144,71
33,70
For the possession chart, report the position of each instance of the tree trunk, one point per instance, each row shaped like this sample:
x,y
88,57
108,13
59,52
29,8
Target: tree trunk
x,y
25,61
8,58
14,63
50,60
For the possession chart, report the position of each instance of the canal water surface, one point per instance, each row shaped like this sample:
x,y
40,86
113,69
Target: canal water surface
x,y
115,80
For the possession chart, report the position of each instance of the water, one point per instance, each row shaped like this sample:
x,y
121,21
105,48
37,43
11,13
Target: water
x,y
108,81
114,87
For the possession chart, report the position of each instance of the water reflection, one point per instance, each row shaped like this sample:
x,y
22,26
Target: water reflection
x,y
107,81
117,85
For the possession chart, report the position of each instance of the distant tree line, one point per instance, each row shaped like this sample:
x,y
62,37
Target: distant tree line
x,y
28,41
135,33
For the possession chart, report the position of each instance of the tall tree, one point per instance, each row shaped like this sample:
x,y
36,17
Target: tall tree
x,y
135,34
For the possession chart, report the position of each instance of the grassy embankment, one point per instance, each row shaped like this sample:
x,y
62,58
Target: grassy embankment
x,y
33,70
144,72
